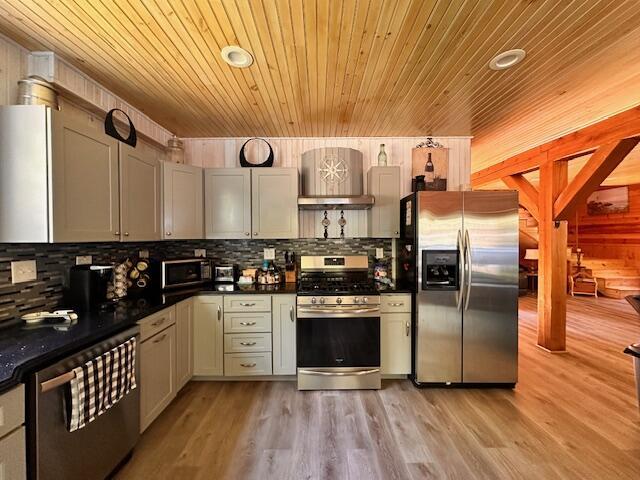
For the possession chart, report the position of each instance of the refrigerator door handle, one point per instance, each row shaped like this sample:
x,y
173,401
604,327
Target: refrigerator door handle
x,y
469,260
461,268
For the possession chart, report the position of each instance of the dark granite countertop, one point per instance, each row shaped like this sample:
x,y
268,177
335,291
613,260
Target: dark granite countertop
x,y
25,349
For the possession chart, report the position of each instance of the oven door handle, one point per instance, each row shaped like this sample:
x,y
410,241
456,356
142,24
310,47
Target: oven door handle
x,y
338,374
329,312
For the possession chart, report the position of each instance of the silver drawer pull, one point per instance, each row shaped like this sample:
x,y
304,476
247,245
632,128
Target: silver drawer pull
x,y
158,322
248,324
161,338
248,344
219,312
398,304
408,328
248,365
247,304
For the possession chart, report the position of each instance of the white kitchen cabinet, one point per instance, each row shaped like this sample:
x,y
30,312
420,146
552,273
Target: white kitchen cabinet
x,y
157,374
384,216
284,334
183,200
184,343
208,336
139,195
395,334
227,204
13,457
274,201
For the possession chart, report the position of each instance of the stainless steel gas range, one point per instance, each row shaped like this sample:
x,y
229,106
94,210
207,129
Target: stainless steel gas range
x,y
338,327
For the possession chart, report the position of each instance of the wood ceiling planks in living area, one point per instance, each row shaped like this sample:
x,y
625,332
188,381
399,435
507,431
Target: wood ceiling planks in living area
x,y
337,68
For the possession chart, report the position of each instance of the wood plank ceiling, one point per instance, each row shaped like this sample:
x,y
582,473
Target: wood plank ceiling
x,y
350,68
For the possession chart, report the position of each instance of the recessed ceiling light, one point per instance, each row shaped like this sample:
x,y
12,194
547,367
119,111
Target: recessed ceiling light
x,y
507,59
236,56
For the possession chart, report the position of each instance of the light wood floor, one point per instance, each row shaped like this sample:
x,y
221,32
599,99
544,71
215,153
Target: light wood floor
x,y
571,415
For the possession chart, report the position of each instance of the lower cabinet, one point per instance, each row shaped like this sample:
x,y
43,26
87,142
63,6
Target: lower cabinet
x,y
157,374
395,334
208,336
184,342
284,334
13,463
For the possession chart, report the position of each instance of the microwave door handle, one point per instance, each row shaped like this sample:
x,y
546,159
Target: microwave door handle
x,y
461,257
467,244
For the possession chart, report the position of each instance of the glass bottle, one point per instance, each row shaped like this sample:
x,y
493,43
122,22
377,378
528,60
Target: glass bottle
x,y
382,156
429,174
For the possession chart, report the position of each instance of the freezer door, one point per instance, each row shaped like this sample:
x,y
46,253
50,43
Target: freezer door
x,y
490,325
438,333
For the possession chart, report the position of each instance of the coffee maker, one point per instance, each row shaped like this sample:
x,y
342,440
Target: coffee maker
x,y
88,287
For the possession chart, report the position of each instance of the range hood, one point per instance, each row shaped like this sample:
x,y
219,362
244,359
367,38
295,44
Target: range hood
x,y
348,202
332,180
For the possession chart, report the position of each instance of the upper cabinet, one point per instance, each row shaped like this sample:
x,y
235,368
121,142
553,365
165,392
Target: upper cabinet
x,y
140,195
384,216
183,201
251,203
62,179
274,201
227,206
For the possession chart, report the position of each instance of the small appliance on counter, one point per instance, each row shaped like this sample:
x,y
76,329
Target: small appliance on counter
x,y
184,273
225,274
88,286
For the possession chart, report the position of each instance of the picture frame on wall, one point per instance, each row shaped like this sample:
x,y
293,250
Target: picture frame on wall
x,y
433,164
608,201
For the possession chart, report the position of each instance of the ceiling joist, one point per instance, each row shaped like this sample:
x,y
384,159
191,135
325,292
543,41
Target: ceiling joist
x,y
603,161
528,194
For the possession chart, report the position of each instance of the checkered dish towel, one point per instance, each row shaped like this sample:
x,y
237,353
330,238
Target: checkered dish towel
x,y
101,383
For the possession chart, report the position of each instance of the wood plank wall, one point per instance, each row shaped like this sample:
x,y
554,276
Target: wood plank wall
x,y
13,66
223,152
609,236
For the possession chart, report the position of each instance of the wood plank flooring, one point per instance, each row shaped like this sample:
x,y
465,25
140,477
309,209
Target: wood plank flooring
x,y
571,415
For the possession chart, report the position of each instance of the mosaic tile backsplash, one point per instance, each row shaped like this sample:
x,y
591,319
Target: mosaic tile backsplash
x,y
54,262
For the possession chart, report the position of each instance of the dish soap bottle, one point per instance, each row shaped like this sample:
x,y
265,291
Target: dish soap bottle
x,y
382,156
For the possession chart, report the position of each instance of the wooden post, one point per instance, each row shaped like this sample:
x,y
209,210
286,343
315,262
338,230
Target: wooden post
x,y
552,263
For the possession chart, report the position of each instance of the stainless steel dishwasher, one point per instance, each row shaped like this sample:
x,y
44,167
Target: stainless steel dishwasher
x,y
92,452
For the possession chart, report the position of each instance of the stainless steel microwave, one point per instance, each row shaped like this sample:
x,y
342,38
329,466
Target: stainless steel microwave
x,y
182,273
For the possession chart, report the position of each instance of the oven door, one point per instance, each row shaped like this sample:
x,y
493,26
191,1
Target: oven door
x,y
338,347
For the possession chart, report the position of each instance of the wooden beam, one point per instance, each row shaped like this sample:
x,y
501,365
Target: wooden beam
x,y
552,263
602,162
580,142
527,193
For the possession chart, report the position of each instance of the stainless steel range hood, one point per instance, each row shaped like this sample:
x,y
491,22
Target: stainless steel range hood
x,y
350,202
332,180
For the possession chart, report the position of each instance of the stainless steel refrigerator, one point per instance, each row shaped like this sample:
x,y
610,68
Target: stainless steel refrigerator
x,y
458,251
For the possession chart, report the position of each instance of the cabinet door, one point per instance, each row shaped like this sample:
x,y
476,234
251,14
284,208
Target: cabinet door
x,y
227,202
395,343
139,195
284,334
184,343
157,375
208,336
274,202
85,182
384,216
183,201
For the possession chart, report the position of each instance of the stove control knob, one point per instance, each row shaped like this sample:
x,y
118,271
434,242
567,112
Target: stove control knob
x,y
338,300
322,300
313,300
365,300
356,300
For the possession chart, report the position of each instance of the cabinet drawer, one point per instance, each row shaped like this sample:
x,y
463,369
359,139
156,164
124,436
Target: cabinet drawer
x,y
157,322
13,457
247,322
241,364
247,303
247,342
398,303
11,410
